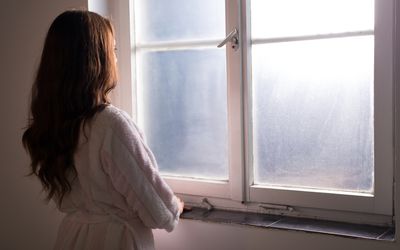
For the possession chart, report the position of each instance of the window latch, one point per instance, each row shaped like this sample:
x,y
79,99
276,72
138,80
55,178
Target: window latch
x,y
233,38
206,204
276,207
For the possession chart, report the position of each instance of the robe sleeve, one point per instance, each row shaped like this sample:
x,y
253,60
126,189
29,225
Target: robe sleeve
x,y
134,174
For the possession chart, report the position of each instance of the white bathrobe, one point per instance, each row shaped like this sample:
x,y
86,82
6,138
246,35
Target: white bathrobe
x,y
118,194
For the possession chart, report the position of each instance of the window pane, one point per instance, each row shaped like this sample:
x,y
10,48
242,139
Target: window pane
x,y
283,18
183,111
172,20
313,113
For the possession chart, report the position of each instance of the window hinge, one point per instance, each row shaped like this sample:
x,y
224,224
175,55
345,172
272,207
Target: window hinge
x,y
276,207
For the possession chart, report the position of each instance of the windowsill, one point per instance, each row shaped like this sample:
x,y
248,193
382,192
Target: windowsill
x,y
289,223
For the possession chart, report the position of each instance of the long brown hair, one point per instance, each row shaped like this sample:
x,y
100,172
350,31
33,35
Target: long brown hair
x,y
76,72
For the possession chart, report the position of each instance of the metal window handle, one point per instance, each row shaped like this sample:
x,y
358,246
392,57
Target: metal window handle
x,y
233,38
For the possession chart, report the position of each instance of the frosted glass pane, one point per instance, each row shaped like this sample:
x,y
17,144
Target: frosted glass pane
x,y
313,114
283,18
172,20
183,110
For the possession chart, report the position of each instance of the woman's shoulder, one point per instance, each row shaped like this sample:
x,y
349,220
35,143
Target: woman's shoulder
x,y
115,118
113,113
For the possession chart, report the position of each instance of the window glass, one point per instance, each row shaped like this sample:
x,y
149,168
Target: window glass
x,y
177,20
182,102
184,111
285,18
313,101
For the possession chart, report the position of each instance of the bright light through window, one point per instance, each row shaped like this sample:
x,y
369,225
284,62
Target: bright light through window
x,y
300,114
284,18
313,99
182,99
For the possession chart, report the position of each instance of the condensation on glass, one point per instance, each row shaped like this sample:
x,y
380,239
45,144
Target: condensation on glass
x,y
287,18
313,99
179,20
182,100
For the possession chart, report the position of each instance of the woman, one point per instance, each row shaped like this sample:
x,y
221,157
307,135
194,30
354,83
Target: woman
x,y
89,156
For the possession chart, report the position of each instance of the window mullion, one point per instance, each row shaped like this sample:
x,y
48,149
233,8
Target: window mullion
x,y
383,115
235,102
247,90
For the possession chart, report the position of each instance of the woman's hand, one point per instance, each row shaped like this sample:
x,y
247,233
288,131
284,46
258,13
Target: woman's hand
x,y
181,204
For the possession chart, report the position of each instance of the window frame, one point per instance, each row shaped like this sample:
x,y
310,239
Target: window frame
x,y
381,202
233,188
238,193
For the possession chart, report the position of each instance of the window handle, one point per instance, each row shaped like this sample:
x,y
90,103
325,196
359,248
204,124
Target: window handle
x,y
232,37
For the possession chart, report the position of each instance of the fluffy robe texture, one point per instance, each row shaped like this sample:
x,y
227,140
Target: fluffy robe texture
x,y
118,195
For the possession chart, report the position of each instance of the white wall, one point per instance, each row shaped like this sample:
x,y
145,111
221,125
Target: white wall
x,y
27,223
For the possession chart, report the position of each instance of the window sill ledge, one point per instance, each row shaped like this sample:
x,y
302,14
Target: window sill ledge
x,y
289,223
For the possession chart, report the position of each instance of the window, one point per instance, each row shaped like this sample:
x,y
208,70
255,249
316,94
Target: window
x,y
299,114
312,94
316,104
183,101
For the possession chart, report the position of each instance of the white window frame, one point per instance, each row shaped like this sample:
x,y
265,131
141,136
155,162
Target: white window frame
x,y
381,202
233,188
239,193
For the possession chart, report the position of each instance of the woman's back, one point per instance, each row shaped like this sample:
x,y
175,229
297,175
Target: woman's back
x,y
117,195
